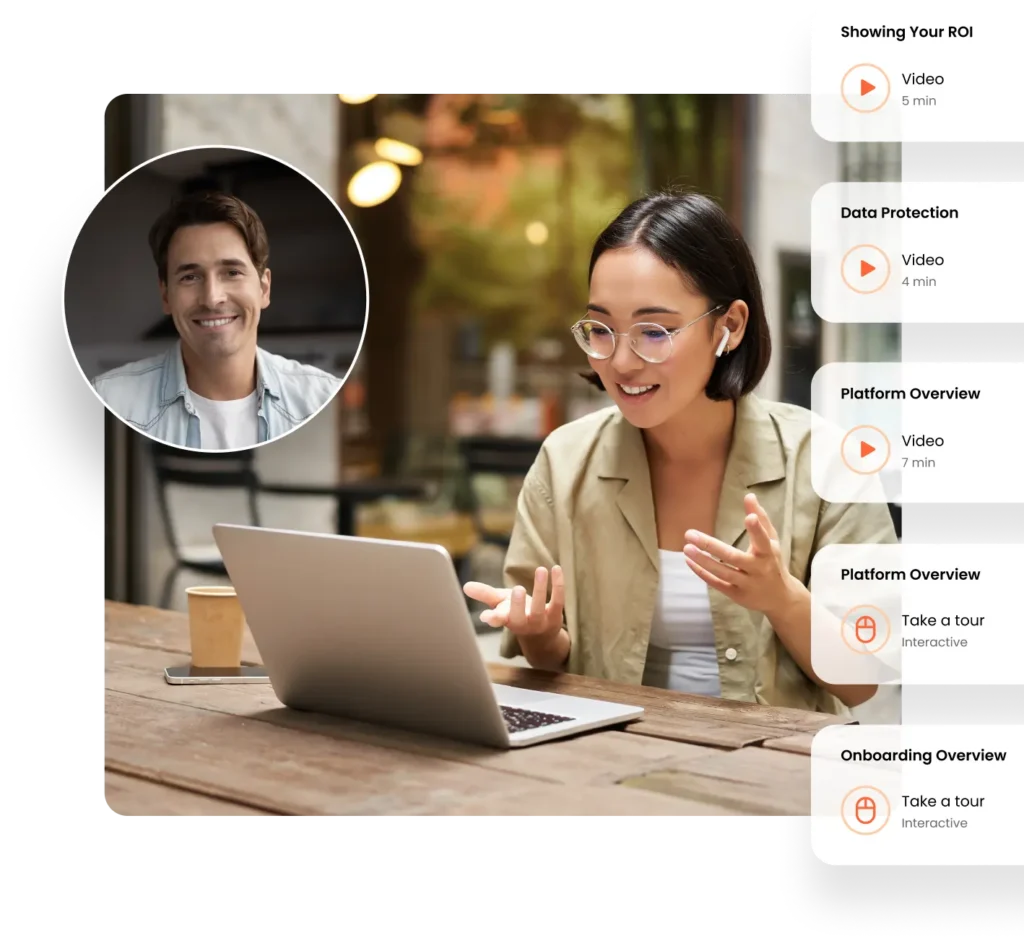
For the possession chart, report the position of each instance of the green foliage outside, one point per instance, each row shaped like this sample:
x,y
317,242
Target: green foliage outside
x,y
574,180
578,160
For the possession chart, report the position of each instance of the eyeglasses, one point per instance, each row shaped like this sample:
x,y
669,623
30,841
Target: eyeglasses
x,y
650,342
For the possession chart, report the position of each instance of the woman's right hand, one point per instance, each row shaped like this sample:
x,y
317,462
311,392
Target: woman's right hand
x,y
525,616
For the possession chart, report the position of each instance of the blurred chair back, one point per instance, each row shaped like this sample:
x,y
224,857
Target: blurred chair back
x,y
509,458
232,471
433,460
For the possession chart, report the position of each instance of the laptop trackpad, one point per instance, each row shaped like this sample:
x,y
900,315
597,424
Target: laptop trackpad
x,y
520,697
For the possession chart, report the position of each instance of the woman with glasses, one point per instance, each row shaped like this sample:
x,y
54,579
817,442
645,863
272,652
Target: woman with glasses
x,y
676,529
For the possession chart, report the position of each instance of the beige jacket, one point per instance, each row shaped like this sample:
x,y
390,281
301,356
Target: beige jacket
x,y
587,505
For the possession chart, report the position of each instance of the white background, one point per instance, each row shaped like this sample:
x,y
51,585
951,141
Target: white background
x,y
966,245
980,462
994,830
994,650
978,72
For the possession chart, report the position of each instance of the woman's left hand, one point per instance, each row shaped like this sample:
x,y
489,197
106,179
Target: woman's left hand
x,y
756,578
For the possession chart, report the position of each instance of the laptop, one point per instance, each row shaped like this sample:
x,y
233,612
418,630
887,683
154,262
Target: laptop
x,y
379,631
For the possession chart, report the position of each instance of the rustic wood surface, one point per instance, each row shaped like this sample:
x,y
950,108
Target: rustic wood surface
x,y
796,743
749,780
236,750
127,795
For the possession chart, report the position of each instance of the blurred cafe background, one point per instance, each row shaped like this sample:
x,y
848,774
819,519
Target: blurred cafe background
x,y
476,215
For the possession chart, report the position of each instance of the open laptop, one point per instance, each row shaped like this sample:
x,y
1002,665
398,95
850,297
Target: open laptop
x,y
378,630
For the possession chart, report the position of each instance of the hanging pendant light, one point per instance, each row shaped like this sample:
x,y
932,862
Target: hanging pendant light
x,y
374,183
356,95
398,152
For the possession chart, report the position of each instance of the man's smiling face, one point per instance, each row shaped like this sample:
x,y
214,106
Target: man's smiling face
x,y
213,291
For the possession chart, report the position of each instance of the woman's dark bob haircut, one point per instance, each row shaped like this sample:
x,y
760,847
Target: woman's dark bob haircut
x,y
693,234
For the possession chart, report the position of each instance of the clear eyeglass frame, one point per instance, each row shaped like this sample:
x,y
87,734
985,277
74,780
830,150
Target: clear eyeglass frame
x,y
633,334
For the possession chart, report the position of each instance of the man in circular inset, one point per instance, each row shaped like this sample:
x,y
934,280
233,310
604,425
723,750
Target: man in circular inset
x,y
215,389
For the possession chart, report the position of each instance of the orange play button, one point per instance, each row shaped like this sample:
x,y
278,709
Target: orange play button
x,y
865,450
865,268
865,88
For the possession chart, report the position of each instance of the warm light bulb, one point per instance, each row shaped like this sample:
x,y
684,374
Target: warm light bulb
x,y
374,183
356,95
536,233
398,151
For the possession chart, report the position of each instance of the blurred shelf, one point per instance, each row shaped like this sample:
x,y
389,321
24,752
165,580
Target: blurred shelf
x,y
455,532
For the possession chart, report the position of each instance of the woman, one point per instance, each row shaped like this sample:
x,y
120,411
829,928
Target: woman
x,y
676,529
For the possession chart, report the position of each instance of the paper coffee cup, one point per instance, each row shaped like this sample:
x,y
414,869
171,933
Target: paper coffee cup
x,y
215,624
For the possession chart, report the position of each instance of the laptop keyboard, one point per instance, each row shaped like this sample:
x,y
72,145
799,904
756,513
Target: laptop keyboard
x,y
518,719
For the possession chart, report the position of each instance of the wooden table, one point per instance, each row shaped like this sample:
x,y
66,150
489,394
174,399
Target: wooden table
x,y
236,750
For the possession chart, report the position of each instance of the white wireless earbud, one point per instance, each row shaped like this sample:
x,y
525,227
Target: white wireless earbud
x,y
722,345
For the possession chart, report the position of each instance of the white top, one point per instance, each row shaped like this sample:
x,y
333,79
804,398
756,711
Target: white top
x,y
226,424
681,653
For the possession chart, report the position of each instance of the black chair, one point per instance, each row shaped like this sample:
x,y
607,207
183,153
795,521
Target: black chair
x,y
508,457
208,470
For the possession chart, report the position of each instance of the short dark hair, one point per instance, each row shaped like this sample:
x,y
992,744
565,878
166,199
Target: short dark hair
x,y
209,207
693,234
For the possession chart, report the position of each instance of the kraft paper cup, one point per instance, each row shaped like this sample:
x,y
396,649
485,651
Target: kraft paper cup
x,y
216,624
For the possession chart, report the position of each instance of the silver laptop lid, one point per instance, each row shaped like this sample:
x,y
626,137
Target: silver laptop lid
x,y
375,630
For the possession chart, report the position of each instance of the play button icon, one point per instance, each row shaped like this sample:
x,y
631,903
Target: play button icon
x,y
865,88
865,450
865,269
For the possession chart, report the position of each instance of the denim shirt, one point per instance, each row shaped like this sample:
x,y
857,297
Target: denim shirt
x,y
152,396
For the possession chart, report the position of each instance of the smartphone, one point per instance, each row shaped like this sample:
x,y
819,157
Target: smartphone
x,y
190,674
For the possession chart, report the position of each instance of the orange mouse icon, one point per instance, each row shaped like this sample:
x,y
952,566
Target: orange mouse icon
x,y
865,629
865,810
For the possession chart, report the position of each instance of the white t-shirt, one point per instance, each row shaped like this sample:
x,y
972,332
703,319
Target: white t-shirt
x,y
226,424
681,653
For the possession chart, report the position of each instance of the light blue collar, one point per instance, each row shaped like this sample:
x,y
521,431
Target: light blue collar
x,y
175,386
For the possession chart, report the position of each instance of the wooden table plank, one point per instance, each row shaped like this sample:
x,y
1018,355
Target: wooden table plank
x,y
599,758
277,769
588,800
129,795
161,629
694,730
751,780
669,715
669,704
237,743
796,743
283,770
